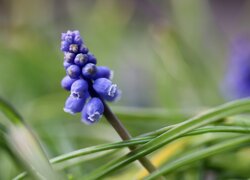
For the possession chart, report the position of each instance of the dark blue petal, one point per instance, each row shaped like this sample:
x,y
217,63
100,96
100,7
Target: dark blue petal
x,y
91,58
67,82
77,39
89,70
73,71
69,57
80,89
81,59
106,89
103,72
83,49
92,111
74,105
66,64
65,46
68,38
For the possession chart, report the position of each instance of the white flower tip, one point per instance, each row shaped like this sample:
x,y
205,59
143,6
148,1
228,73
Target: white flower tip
x,y
94,117
111,75
68,111
112,90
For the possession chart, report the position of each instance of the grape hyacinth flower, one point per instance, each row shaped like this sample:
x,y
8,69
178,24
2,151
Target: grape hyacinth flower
x,y
85,80
90,86
237,81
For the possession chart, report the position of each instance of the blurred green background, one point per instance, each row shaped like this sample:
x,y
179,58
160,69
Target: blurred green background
x,y
169,59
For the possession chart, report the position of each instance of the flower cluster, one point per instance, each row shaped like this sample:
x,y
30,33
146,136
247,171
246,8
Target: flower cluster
x,y
237,82
88,83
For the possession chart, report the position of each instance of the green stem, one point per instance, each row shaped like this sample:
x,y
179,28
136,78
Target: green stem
x,y
122,131
125,135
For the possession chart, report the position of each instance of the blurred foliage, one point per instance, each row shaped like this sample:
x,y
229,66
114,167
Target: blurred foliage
x,y
169,59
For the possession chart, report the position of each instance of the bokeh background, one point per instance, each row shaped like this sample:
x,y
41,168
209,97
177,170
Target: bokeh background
x,y
170,59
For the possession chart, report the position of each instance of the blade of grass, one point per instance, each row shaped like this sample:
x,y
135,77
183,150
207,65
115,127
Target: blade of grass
x,y
139,140
23,144
211,116
199,154
10,112
219,129
110,146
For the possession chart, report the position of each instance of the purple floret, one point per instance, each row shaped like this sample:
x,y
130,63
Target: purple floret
x,y
103,72
67,82
81,59
89,71
66,65
91,58
74,105
74,71
79,89
92,111
83,49
106,89
69,57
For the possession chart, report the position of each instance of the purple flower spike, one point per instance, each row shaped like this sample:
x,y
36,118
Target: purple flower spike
x,y
79,89
74,105
73,71
67,82
89,70
106,89
81,59
103,72
92,111
85,80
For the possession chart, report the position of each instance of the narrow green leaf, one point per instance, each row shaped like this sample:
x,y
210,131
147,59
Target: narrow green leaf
x,y
23,144
98,148
199,154
10,112
135,141
211,116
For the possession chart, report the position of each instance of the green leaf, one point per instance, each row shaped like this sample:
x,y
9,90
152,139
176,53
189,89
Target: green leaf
x,y
211,116
10,112
198,155
135,141
23,144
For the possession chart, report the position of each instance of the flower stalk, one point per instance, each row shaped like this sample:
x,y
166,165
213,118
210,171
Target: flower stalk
x,y
125,135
